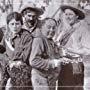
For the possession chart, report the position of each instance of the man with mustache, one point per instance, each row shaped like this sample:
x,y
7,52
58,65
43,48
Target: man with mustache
x,y
31,14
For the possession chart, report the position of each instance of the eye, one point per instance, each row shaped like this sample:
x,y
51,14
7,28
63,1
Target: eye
x,y
12,23
30,15
70,14
66,14
34,16
17,23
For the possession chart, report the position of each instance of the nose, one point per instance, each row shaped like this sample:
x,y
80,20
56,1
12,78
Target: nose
x,y
31,18
67,15
51,29
14,25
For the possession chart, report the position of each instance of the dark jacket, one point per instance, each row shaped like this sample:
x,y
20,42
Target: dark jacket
x,y
21,45
43,51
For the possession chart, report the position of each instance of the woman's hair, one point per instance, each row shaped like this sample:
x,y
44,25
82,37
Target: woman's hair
x,y
43,21
14,15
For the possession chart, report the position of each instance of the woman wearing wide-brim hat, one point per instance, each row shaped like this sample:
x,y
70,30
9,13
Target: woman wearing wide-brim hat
x,y
71,34
79,12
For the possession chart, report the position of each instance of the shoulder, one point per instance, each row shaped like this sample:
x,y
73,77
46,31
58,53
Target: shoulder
x,y
26,37
25,32
39,40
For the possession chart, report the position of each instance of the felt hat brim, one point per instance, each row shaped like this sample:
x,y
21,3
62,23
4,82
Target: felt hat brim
x,y
38,11
78,12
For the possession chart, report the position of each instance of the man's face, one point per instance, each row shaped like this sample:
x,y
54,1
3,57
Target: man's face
x,y
30,18
70,16
48,29
14,26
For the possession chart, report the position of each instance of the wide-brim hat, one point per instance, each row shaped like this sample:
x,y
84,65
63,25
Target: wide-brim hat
x,y
77,11
32,7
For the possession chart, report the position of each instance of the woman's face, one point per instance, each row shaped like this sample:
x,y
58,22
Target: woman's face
x,y
48,29
70,16
14,26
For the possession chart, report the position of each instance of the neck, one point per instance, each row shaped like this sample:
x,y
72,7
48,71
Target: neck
x,y
31,27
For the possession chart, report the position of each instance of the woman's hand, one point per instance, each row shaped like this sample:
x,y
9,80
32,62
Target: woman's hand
x,y
14,64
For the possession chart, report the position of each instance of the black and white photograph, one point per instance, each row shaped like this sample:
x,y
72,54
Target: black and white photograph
x,y
44,44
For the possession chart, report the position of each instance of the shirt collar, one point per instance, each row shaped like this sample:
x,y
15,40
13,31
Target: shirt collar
x,y
15,35
27,27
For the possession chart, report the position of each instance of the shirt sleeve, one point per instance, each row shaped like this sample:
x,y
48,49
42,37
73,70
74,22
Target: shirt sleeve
x,y
86,40
82,41
27,48
36,58
22,51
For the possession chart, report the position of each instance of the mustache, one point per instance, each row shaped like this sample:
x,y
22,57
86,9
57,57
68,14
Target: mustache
x,y
32,22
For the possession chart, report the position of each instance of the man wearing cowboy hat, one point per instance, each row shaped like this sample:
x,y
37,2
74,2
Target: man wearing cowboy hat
x,y
72,35
31,14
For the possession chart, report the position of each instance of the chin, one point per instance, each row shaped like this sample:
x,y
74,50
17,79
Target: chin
x,y
15,32
71,23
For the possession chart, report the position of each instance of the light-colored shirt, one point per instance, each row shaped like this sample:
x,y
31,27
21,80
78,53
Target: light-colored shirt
x,y
79,40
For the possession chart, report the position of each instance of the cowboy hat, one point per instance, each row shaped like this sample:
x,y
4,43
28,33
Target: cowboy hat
x,y
32,7
77,11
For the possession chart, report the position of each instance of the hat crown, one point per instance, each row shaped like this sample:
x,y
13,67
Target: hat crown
x,y
31,6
